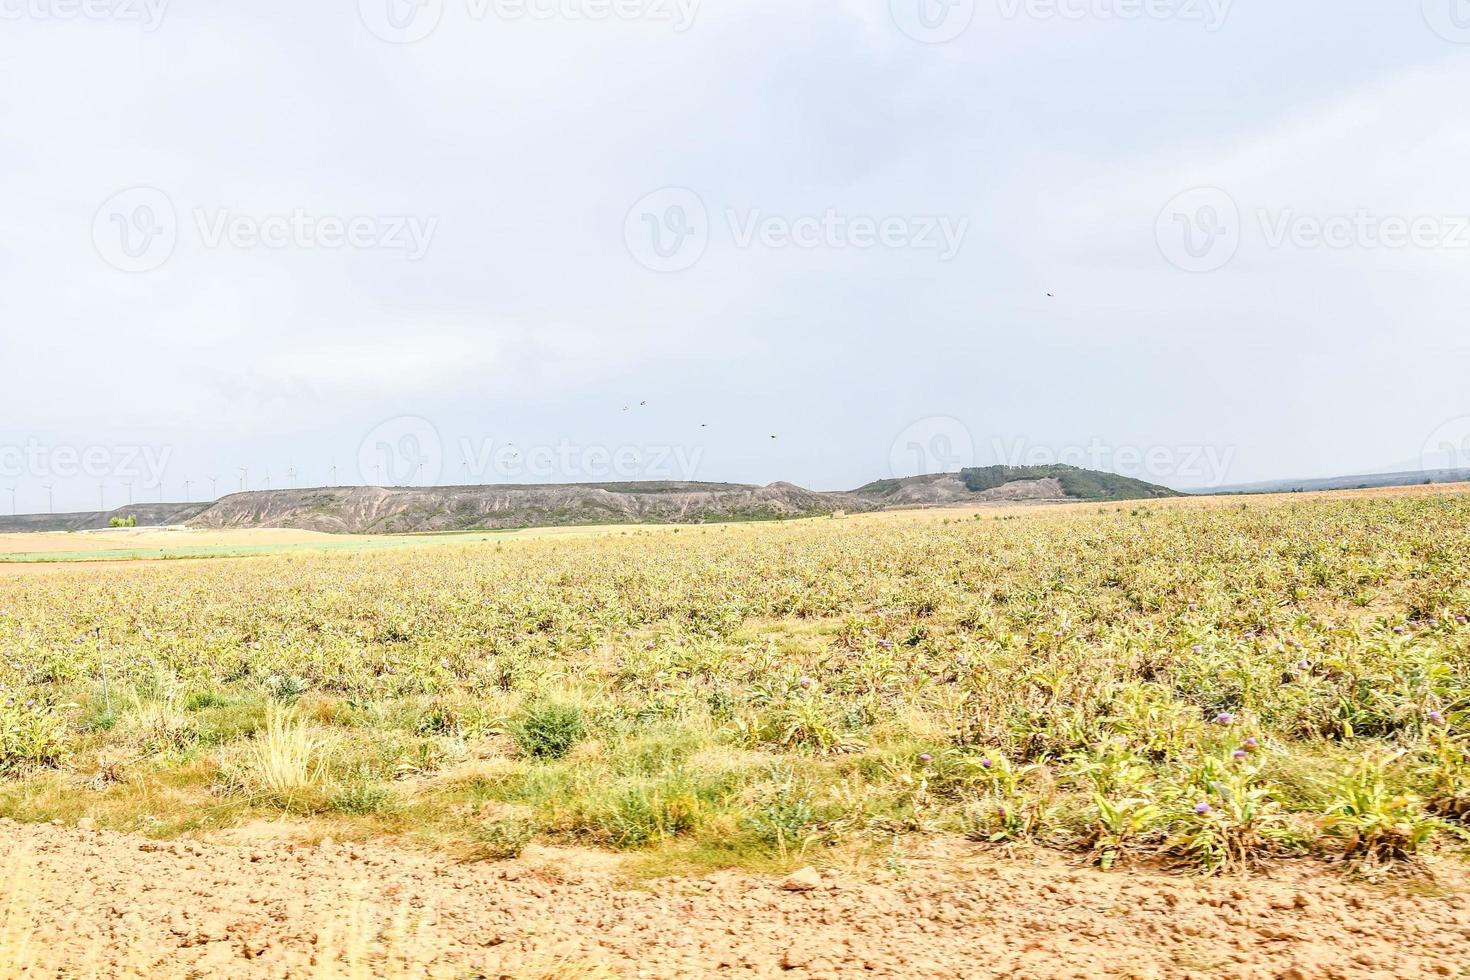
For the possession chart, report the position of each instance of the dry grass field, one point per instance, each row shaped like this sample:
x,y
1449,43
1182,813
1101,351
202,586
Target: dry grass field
x,y
147,539
153,544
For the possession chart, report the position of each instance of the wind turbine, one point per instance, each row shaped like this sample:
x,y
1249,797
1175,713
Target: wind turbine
x,y
50,498
130,493
101,495
214,488
333,471
291,473
244,475
186,490
12,500
267,478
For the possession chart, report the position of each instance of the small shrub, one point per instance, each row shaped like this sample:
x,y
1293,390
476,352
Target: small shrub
x,y
1016,802
1448,775
648,815
286,690
31,734
1232,822
1118,824
1377,825
286,761
808,720
162,725
362,798
501,840
204,700
550,729
99,719
440,719
786,815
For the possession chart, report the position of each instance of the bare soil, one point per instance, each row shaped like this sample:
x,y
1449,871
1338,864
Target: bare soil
x,y
109,904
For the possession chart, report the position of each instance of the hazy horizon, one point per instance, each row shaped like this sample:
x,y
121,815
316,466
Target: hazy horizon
x,y
497,241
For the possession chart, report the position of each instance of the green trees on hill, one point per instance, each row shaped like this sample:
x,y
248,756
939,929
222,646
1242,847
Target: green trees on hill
x,y
1079,483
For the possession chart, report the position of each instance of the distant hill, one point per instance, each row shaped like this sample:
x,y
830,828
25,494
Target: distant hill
x,y
388,510
1077,483
1362,481
148,515
360,510
995,484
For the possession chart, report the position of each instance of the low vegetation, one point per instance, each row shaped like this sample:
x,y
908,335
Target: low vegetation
x,y
1213,684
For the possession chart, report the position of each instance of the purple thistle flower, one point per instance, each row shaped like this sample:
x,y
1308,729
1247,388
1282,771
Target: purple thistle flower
x,y
925,758
1239,755
986,763
804,683
1304,664
1401,629
1202,808
1224,718
1436,718
1251,744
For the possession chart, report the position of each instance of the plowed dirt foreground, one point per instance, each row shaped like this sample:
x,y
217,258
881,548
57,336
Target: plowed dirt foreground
x,y
85,903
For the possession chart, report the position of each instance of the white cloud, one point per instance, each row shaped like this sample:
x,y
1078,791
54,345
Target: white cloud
x,y
1058,140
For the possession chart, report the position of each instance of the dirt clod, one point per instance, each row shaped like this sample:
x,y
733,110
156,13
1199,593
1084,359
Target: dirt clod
x,y
804,880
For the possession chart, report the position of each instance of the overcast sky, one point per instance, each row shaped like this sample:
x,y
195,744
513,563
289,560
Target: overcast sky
x,y
1192,240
